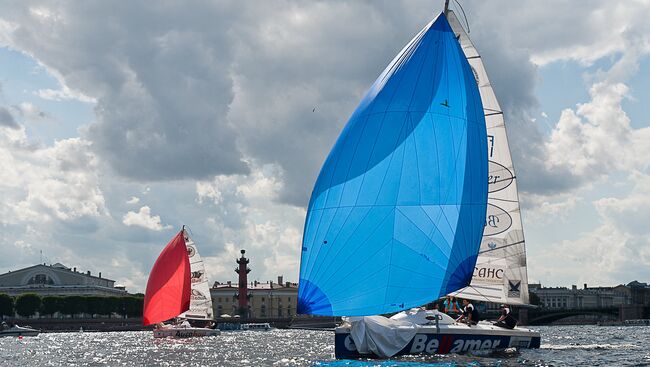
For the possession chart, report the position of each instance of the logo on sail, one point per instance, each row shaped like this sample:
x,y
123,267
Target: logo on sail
x,y
197,296
513,288
488,274
499,177
497,220
196,276
190,251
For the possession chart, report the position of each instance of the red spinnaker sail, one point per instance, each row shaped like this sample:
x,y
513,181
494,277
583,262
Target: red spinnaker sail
x,y
168,288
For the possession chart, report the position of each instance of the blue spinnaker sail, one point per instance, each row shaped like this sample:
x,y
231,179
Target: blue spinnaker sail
x,y
396,216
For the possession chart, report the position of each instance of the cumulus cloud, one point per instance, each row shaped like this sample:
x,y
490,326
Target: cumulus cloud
x,y
144,219
616,251
230,108
57,182
162,92
248,215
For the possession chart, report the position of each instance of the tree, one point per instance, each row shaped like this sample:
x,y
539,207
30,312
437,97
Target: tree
x,y
51,304
94,305
73,305
27,304
6,305
114,304
133,306
105,307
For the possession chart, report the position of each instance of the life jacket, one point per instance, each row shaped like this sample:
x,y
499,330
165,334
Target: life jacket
x,y
451,306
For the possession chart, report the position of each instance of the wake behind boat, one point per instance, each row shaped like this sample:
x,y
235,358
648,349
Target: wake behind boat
x,y
404,205
178,289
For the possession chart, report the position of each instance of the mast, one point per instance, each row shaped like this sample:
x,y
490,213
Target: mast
x,y
446,7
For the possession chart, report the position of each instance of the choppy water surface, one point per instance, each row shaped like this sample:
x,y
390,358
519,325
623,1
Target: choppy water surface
x,y
561,346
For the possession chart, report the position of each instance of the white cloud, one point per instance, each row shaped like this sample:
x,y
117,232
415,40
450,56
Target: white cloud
x,y
616,251
63,94
248,215
212,106
144,219
133,200
543,209
30,112
58,182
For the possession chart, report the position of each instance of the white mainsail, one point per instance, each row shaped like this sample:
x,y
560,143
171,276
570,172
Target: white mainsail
x,y
200,300
500,274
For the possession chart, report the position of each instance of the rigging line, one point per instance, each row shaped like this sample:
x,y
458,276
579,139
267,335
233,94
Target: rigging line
x,y
502,247
477,292
464,16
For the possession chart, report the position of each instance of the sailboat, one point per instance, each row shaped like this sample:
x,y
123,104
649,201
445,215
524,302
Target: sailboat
x,y
178,289
398,213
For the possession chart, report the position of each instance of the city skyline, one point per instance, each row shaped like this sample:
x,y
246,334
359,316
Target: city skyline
x,y
119,124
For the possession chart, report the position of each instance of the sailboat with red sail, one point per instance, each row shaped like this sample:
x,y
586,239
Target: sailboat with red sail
x,y
178,290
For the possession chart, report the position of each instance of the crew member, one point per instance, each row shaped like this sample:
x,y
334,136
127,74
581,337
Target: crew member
x,y
470,313
506,320
450,306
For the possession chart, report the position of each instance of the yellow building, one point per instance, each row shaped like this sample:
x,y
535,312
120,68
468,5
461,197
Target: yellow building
x,y
265,300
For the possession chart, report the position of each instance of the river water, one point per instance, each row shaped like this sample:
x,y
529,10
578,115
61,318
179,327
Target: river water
x,y
561,346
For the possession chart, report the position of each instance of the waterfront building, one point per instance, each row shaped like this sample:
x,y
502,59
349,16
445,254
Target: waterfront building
x,y
640,293
264,300
254,299
557,298
57,280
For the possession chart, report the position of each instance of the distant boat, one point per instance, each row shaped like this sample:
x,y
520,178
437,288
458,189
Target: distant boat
x,y
398,212
178,289
18,331
259,326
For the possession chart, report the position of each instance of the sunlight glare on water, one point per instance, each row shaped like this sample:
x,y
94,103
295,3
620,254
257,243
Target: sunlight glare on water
x,y
561,346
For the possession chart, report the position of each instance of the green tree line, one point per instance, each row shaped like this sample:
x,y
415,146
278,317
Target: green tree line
x,y
29,304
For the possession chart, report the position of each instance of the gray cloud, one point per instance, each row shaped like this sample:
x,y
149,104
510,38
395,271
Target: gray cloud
x,y
159,75
7,119
217,92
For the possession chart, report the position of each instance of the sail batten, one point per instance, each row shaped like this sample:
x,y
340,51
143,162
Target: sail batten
x,y
396,214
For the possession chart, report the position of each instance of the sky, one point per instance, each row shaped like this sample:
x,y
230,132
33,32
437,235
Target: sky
x,y
121,122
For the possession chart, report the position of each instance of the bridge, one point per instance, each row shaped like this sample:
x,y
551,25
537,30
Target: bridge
x,y
544,316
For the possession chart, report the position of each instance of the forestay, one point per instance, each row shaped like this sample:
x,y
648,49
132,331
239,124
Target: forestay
x,y
397,212
500,274
200,300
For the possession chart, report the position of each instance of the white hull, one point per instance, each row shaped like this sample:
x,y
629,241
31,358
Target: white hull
x,y
424,332
189,332
456,338
19,331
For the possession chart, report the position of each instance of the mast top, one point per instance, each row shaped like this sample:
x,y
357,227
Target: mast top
x,y
446,7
